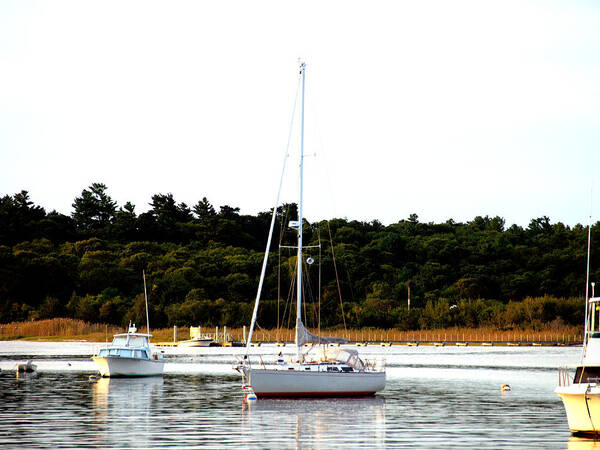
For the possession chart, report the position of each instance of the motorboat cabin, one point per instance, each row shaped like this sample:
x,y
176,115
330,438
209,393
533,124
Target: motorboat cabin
x,y
129,354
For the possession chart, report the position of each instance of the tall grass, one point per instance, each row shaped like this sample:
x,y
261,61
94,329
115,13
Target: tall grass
x,y
566,334
58,329
53,328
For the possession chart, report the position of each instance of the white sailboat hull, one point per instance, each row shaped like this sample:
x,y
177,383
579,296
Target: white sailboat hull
x,y
128,367
296,383
582,407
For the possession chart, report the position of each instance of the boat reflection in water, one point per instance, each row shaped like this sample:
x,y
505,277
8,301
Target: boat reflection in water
x,y
582,443
314,423
122,410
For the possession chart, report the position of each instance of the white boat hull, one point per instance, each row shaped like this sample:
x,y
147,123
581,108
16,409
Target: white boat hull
x,y
295,383
128,367
195,343
582,407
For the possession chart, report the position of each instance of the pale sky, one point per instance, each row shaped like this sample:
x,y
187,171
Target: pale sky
x,y
446,109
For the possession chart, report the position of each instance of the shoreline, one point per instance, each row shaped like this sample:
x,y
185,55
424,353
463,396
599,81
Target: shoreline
x,y
70,330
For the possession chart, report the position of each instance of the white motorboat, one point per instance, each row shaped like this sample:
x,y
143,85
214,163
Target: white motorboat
x,y
129,354
197,341
581,393
332,371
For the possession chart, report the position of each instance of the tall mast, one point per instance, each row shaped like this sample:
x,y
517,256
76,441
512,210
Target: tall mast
x,y
299,281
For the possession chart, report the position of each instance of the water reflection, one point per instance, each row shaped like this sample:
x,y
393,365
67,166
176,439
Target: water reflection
x,y
122,409
310,423
580,443
434,398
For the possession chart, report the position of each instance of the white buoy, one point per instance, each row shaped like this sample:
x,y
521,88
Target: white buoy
x,y
93,378
505,387
250,396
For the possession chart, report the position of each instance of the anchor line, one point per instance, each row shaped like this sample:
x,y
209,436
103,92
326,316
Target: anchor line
x,y
585,396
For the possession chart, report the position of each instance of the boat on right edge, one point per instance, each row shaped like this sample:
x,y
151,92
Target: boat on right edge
x,y
581,394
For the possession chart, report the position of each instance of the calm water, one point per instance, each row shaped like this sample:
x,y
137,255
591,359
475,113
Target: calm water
x,y
435,397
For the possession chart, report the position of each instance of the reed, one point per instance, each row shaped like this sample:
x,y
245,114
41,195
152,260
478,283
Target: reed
x,y
566,335
56,328
65,329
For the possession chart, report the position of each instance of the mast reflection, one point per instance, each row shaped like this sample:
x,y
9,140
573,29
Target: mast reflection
x,y
348,422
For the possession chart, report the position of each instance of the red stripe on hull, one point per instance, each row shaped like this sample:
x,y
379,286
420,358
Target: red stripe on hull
x,y
312,394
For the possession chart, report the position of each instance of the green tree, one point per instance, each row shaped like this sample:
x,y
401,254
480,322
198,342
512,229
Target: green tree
x,y
95,209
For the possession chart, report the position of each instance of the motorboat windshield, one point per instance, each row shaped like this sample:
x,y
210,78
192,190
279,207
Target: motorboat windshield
x,y
130,340
119,341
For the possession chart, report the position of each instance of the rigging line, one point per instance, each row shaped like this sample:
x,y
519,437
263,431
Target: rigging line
x,y
305,297
349,284
585,396
319,284
268,247
281,234
587,279
288,301
295,246
278,288
337,278
307,294
326,158
146,300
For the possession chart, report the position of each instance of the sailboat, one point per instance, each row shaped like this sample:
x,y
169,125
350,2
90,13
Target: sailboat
x,y
129,354
332,371
581,394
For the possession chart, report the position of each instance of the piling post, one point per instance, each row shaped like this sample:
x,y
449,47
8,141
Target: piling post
x,y
217,334
244,334
225,334
174,333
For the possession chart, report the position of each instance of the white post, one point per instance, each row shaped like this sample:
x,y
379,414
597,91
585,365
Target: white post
x,y
244,334
216,334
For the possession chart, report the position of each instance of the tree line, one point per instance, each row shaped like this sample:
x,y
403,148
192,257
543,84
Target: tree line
x,y
203,267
